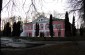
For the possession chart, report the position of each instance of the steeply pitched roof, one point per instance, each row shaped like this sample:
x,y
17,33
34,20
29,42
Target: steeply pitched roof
x,y
54,19
40,17
57,19
28,23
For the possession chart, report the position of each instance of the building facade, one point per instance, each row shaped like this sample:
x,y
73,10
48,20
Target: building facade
x,y
58,27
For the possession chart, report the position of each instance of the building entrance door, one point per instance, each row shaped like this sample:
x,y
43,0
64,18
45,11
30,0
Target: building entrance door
x,y
59,33
41,34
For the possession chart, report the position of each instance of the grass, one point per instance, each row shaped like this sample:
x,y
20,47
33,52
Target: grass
x,y
62,49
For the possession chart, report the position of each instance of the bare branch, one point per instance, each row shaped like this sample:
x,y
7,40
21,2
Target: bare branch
x,y
24,3
6,4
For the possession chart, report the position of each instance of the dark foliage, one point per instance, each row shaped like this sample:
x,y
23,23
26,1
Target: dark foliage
x,y
84,10
0,5
7,29
19,28
81,31
0,16
14,32
67,26
73,27
51,26
16,29
37,30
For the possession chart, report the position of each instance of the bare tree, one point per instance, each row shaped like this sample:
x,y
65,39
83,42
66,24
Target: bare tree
x,y
32,8
79,7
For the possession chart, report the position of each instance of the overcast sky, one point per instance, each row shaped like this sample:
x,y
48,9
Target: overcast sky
x,y
46,6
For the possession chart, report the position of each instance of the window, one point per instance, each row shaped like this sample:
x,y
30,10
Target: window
x,y
41,26
58,26
59,33
46,34
54,25
29,26
41,19
34,26
26,27
47,26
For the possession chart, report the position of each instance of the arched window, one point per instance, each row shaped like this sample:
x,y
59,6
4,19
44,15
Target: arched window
x,y
30,26
47,26
54,26
41,26
58,26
